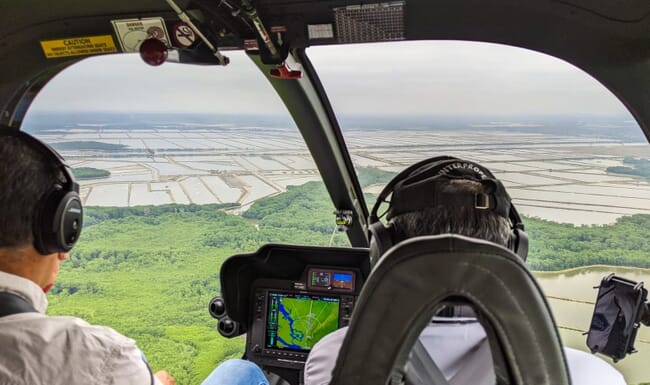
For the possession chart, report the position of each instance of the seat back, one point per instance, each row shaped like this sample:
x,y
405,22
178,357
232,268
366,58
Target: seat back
x,y
415,277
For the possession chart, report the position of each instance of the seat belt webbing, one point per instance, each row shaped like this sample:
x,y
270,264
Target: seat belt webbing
x,y
14,304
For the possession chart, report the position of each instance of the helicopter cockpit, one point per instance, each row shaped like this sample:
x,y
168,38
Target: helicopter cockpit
x,y
282,300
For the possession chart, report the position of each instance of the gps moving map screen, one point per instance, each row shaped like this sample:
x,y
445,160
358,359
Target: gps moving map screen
x,y
296,322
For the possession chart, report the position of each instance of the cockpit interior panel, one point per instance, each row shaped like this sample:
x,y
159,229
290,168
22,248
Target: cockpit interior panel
x,y
286,298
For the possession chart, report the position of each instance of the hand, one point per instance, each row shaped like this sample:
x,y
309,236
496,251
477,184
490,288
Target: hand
x,y
165,378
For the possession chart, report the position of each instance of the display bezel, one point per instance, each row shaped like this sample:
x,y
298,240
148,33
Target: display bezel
x,y
268,329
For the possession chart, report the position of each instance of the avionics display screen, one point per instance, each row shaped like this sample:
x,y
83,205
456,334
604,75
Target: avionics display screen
x,y
296,321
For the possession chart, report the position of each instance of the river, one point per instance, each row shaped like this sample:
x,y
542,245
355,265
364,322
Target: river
x,y
571,296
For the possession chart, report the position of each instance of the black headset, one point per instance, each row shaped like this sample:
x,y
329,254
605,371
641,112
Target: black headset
x,y
417,187
58,216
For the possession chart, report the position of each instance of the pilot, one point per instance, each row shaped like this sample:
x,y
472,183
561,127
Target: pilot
x,y
40,222
456,342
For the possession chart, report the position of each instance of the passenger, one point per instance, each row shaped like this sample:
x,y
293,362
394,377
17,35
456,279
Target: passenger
x,y
37,349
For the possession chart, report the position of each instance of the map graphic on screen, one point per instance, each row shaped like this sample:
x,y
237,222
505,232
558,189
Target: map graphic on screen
x,y
297,322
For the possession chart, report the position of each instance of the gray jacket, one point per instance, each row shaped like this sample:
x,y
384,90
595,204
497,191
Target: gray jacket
x,y
37,349
460,348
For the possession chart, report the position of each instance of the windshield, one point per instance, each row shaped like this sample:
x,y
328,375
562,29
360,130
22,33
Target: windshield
x,y
571,156
180,167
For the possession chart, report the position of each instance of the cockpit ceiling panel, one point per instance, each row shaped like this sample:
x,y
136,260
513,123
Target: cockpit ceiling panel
x,y
608,39
511,22
629,17
27,13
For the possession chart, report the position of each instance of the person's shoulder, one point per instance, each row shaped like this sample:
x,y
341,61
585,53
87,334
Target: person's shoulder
x,y
76,352
332,340
80,329
121,360
64,330
322,358
587,368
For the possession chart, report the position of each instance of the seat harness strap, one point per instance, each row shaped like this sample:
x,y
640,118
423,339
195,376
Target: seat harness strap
x,y
14,304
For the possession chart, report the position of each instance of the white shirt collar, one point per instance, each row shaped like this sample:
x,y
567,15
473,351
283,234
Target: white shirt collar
x,y
24,288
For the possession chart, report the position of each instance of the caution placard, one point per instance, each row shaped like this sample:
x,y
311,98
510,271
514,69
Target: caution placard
x,y
90,45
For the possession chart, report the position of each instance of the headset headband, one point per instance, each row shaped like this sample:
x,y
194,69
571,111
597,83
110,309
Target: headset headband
x,y
423,185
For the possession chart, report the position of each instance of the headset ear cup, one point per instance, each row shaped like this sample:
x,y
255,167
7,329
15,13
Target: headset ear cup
x,y
380,241
58,221
518,243
41,229
70,221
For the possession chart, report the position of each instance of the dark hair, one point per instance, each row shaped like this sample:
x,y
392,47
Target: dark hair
x,y
25,176
468,221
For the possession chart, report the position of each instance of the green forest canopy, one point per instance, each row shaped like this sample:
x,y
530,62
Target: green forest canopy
x,y
150,271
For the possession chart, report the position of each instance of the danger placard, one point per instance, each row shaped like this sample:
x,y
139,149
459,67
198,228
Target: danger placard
x,y
183,35
76,46
132,32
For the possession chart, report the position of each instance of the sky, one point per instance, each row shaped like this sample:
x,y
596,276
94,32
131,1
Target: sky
x,y
424,78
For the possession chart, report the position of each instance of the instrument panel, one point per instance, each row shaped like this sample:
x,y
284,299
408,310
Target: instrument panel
x,y
290,317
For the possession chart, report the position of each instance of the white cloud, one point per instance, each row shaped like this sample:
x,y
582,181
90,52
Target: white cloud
x,y
447,77
452,77
125,83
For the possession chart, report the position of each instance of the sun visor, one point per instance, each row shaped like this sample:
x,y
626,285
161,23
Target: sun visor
x,y
415,277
